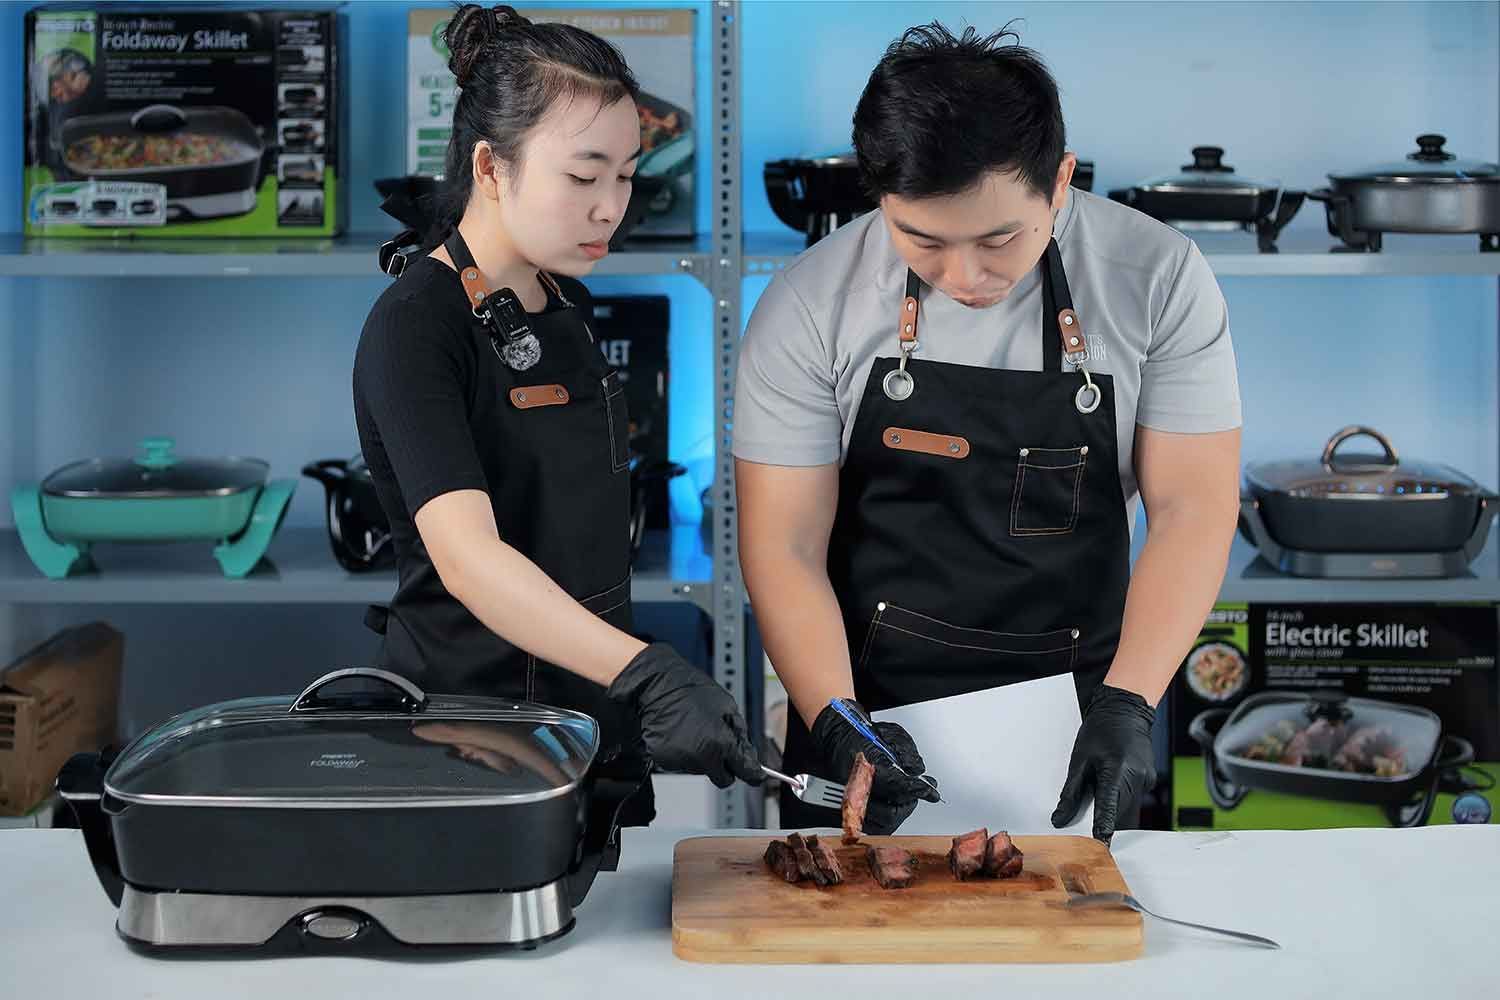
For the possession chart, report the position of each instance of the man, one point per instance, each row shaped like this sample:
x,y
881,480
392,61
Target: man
x,y
946,414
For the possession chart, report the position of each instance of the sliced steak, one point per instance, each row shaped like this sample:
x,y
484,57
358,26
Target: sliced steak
x,y
966,857
857,797
827,863
893,867
806,866
1002,858
780,860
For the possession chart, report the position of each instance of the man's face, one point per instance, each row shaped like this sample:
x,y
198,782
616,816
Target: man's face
x,y
975,246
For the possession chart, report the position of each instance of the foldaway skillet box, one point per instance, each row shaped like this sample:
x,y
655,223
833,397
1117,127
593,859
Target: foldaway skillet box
x,y
184,120
1301,716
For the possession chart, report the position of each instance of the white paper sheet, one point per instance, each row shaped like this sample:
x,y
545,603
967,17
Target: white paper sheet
x,y
1000,757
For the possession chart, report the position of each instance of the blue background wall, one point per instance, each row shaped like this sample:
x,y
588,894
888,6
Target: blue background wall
x,y
1292,90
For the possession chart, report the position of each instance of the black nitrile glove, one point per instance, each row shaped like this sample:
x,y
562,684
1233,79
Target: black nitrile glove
x,y
690,723
893,795
1112,761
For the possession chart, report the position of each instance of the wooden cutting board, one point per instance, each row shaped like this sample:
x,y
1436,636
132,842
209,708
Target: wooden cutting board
x,y
727,906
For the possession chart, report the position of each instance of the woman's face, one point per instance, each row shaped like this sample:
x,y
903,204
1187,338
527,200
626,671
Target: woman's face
x,y
562,202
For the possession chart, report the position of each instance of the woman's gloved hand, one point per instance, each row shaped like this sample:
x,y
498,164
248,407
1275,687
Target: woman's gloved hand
x,y
893,795
690,723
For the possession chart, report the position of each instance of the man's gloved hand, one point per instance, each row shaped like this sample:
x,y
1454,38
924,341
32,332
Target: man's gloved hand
x,y
1112,761
690,723
893,795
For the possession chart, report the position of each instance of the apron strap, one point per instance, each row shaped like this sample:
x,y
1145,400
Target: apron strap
x,y
1062,333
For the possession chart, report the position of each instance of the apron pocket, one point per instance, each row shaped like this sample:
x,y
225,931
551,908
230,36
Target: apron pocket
x,y
1048,481
913,657
618,416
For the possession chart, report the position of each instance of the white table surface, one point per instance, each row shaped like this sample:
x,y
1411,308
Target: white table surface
x,y
1359,913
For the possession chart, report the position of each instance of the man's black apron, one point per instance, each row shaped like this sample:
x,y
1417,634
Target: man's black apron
x,y
564,503
981,536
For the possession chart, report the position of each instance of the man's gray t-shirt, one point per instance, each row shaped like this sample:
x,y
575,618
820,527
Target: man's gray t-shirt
x,y
1148,302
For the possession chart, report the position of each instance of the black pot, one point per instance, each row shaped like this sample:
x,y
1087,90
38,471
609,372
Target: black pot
x,y
1207,193
310,822
358,530
91,145
1083,176
1367,503
1431,191
816,196
1330,746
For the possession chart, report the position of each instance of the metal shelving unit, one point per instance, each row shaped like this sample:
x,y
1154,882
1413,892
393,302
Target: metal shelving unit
x,y
673,567
1302,255
298,569
351,255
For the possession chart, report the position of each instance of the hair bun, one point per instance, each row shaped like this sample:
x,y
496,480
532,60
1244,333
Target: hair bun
x,y
474,30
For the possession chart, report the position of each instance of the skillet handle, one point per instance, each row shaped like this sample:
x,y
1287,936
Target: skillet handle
x,y
407,696
81,784
610,788
1456,752
329,471
1205,726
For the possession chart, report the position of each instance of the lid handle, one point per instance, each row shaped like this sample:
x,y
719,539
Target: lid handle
x,y
1209,159
1356,430
1330,705
158,118
1430,149
406,697
156,453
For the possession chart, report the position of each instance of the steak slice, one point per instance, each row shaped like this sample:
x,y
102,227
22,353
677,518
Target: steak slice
x,y
780,860
806,866
857,797
826,862
1002,858
893,867
966,857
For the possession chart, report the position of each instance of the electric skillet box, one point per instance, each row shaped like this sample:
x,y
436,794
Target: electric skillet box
x,y
658,47
1306,716
184,120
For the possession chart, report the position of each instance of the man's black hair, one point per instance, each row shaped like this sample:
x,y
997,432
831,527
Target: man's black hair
x,y
939,112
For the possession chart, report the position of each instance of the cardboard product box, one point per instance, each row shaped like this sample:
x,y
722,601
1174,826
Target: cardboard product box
x,y
1343,696
657,45
59,699
184,120
632,332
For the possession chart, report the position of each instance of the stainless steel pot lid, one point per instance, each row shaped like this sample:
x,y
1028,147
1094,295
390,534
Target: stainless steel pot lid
x,y
1339,475
1430,163
156,472
1207,174
390,748
1357,738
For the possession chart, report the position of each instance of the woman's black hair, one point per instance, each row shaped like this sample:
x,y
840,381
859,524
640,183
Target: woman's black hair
x,y
939,112
510,71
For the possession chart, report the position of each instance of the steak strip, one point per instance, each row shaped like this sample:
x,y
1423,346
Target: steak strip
x,y
806,866
779,858
893,867
1002,858
857,798
827,862
967,855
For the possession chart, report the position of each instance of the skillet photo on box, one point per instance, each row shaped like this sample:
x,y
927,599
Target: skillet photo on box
x,y
1331,746
207,159
307,823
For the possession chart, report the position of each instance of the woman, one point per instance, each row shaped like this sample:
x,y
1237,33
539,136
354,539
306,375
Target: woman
x,y
496,433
